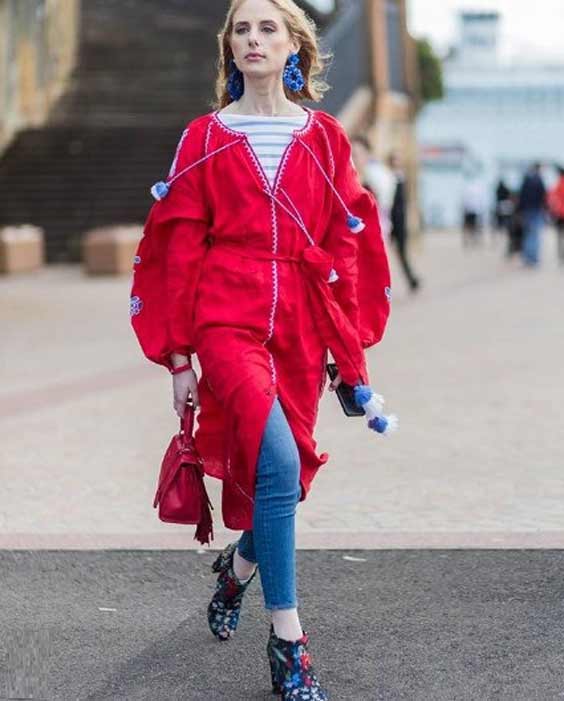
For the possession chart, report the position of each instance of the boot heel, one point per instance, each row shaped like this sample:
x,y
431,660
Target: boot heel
x,y
276,688
225,606
274,676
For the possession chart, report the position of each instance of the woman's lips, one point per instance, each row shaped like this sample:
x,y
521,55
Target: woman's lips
x,y
254,57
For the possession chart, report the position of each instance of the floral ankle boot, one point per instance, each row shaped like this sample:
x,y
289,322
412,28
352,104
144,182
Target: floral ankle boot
x,y
293,676
225,606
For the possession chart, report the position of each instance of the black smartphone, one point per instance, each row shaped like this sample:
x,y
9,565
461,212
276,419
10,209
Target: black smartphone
x,y
345,394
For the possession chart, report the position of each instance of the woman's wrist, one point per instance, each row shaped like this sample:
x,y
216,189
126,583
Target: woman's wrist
x,y
180,368
179,363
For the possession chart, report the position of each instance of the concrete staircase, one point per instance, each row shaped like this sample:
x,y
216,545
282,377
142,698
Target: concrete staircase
x,y
145,68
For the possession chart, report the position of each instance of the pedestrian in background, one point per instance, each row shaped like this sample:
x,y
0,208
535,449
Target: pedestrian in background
x,y
362,156
387,183
556,207
377,178
515,229
473,211
504,206
399,234
532,203
262,253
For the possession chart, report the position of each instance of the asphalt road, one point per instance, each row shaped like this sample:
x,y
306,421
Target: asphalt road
x,y
422,625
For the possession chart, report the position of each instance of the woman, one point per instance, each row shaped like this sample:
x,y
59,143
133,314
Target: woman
x,y
398,215
250,260
391,186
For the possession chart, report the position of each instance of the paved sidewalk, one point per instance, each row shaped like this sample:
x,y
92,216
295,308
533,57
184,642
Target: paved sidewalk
x,y
386,626
473,365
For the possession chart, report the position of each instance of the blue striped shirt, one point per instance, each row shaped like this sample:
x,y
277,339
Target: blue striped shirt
x,y
268,136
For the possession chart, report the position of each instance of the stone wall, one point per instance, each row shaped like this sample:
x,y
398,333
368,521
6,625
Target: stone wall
x,y
38,47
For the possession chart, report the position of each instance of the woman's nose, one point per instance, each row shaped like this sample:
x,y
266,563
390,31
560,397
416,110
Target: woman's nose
x,y
253,37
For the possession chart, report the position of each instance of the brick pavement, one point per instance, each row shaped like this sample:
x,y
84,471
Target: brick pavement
x,y
473,365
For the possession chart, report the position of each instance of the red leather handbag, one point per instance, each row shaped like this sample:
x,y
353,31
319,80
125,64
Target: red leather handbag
x,y
181,494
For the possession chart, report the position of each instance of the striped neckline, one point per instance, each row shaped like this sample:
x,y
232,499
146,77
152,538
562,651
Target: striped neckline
x,y
218,116
268,137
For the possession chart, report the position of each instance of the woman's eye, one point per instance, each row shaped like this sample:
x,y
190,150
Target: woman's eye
x,y
268,29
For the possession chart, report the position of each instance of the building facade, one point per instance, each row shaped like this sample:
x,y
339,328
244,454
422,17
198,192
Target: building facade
x,y
376,57
494,121
38,44
128,96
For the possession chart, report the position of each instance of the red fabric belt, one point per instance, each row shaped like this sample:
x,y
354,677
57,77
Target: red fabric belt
x,y
256,254
333,325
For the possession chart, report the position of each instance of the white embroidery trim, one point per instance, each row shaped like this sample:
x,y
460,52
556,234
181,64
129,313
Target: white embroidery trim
x,y
172,170
208,134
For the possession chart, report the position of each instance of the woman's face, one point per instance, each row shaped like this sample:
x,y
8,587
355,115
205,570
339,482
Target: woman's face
x,y
260,40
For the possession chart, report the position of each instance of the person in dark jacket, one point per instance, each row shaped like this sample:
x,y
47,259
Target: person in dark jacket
x,y
532,202
515,229
398,215
503,206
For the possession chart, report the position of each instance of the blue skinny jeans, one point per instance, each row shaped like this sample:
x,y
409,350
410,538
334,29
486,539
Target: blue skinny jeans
x,y
533,222
271,543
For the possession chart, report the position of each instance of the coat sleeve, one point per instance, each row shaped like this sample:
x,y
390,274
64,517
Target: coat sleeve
x,y
360,260
169,258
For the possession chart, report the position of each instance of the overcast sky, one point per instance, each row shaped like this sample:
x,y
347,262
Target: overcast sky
x,y
528,27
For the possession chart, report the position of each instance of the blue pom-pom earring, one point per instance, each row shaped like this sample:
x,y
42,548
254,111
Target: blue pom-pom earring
x,y
293,76
235,82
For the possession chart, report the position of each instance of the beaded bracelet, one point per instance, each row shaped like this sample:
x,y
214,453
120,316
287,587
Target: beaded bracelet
x,y
180,368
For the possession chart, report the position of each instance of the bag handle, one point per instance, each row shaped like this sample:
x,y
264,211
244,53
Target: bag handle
x,y
187,422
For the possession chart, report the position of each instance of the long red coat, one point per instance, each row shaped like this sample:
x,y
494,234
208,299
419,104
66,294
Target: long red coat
x,y
243,275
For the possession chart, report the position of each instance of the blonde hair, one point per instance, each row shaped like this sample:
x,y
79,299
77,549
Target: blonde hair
x,y
302,30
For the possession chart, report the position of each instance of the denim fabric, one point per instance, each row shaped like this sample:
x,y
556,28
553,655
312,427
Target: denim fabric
x,y
533,221
271,543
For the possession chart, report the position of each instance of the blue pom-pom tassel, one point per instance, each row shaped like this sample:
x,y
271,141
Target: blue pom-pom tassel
x,y
378,424
362,394
373,405
355,224
160,190
384,425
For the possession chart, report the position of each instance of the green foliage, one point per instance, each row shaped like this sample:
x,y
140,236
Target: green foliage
x,y
430,72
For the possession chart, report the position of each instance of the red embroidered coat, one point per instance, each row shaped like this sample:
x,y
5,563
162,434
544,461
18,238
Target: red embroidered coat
x,y
260,282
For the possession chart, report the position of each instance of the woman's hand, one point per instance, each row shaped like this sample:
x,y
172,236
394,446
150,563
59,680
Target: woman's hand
x,y
185,387
335,383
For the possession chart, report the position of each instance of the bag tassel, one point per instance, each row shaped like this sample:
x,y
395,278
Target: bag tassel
x,y
204,530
